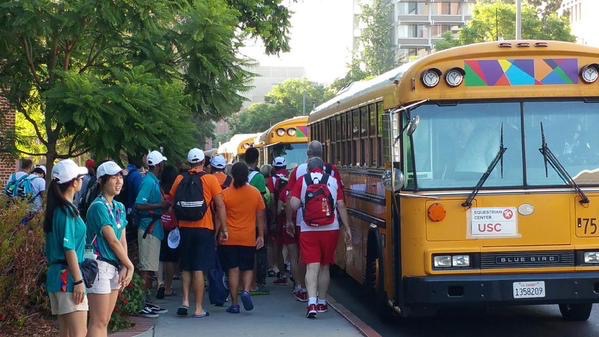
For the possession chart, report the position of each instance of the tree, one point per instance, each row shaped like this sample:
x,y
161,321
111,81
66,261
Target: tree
x,y
377,37
354,74
113,77
448,41
291,98
496,21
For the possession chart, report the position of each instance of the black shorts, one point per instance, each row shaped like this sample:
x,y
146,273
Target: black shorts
x,y
237,256
167,254
197,249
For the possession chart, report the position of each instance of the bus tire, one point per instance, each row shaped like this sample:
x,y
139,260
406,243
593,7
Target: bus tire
x,y
576,312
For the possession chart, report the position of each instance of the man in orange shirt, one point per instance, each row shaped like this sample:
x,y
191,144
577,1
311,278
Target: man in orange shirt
x,y
194,212
245,211
218,165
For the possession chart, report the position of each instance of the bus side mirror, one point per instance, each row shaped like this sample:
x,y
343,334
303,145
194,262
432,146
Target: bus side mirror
x,y
393,185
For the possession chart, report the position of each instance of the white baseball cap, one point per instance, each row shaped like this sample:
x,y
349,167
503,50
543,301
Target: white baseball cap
x,y
218,162
67,170
155,158
109,168
195,155
279,162
173,238
43,168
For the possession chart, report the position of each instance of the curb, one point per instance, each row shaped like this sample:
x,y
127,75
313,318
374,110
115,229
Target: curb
x,y
364,328
143,327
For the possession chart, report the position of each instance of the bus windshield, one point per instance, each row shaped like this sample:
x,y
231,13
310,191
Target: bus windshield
x,y
454,144
294,154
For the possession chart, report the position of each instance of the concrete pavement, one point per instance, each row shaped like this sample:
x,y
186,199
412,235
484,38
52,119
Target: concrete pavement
x,y
277,314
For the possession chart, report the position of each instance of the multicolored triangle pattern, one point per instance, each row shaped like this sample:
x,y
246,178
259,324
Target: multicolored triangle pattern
x,y
520,72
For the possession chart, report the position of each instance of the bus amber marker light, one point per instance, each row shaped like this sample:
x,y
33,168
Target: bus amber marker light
x,y
589,73
436,212
454,77
431,77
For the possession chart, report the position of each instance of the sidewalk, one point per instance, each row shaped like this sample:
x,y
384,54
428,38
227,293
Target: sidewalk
x,y
277,314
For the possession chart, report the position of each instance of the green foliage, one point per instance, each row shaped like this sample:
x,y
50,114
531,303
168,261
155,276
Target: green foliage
x,y
112,77
291,98
377,37
448,41
355,73
495,21
22,269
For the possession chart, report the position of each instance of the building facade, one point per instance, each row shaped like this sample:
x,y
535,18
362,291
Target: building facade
x,y
417,24
8,164
582,20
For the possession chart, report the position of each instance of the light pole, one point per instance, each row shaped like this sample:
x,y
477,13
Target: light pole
x,y
518,19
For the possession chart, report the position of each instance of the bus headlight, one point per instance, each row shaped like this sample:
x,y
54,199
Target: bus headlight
x,y
280,132
460,261
442,261
454,77
431,77
291,132
591,257
589,73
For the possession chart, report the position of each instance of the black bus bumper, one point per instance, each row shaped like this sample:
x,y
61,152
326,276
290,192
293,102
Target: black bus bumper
x,y
498,289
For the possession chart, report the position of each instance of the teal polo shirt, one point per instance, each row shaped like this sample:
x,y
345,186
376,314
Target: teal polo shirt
x,y
149,193
68,233
99,215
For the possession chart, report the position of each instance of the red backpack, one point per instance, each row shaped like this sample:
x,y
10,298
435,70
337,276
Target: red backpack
x,y
319,207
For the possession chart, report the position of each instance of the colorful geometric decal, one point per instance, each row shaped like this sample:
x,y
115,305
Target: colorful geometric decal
x,y
302,131
520,72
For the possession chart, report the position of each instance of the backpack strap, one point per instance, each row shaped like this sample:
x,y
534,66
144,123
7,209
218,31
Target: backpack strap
x,y
227,182
308,179
252,175
328,169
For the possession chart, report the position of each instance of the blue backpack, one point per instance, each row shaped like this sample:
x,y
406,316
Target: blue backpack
x,y
218,289
12,187
25,189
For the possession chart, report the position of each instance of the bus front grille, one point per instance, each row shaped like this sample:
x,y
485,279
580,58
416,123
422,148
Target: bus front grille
x,y
527,259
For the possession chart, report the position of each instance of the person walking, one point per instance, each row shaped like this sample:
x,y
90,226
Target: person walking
x,y
245,212
32,189
65,248
150,204
10,188
278,238
169,257
106,222
314,151
195,192
218,165
318,195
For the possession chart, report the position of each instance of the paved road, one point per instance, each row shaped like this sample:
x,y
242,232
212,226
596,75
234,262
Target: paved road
x,y
522,321
277,314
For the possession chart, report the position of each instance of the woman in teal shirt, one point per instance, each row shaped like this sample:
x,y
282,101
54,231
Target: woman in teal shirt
x,y
65,247
106,222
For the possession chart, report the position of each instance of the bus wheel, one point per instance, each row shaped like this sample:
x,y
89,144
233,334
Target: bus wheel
x,y
576,312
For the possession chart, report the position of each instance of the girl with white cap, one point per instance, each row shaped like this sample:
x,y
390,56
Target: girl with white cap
x,y
106,222
65,247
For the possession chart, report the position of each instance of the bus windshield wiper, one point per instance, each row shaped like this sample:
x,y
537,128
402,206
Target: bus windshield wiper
x,y
548,156
498,159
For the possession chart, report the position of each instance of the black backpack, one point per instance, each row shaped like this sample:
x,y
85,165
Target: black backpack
x,y
189,199
89,195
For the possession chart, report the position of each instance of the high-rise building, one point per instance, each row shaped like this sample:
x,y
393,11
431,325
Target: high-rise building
x,y
417,24
582,20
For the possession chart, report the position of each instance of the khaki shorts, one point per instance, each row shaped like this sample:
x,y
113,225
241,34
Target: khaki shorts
x,y
106,281
149,251
62,303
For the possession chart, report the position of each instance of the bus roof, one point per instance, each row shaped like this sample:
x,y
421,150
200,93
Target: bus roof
x,y
232,145
403,85
269,137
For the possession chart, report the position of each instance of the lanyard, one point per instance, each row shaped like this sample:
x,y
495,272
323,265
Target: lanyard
x,y
111,210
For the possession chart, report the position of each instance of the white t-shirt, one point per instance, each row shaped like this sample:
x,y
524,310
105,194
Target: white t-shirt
x,y
39,186
333,188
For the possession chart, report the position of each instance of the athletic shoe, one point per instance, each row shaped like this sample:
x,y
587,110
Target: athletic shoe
x,y
148,312
282,281
320,308
311,312
301,295
156,309
246,299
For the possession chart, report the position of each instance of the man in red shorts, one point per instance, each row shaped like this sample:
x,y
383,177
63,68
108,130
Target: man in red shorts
x,y
321,205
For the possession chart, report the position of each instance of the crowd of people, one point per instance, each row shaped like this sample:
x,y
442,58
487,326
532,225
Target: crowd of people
x,y
251,221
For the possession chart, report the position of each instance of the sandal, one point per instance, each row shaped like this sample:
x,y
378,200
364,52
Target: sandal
x,y
205,314
182,311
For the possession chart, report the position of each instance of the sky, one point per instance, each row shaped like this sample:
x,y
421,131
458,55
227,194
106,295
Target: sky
x,y
321,40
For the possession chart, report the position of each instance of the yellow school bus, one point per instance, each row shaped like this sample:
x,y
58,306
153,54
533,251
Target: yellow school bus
x,y
288,138
472,177
235,148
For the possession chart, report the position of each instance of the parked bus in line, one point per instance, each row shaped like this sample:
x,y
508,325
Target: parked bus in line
x,y
288,138
230,149
472,178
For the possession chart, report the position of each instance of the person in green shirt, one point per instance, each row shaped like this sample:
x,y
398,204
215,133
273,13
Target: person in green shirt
x,y
106,222
65,248
257,180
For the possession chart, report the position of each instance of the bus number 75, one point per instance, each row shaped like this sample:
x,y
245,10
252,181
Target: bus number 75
x,y
588,224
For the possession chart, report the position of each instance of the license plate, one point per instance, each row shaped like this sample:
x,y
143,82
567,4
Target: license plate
x,y
530,289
